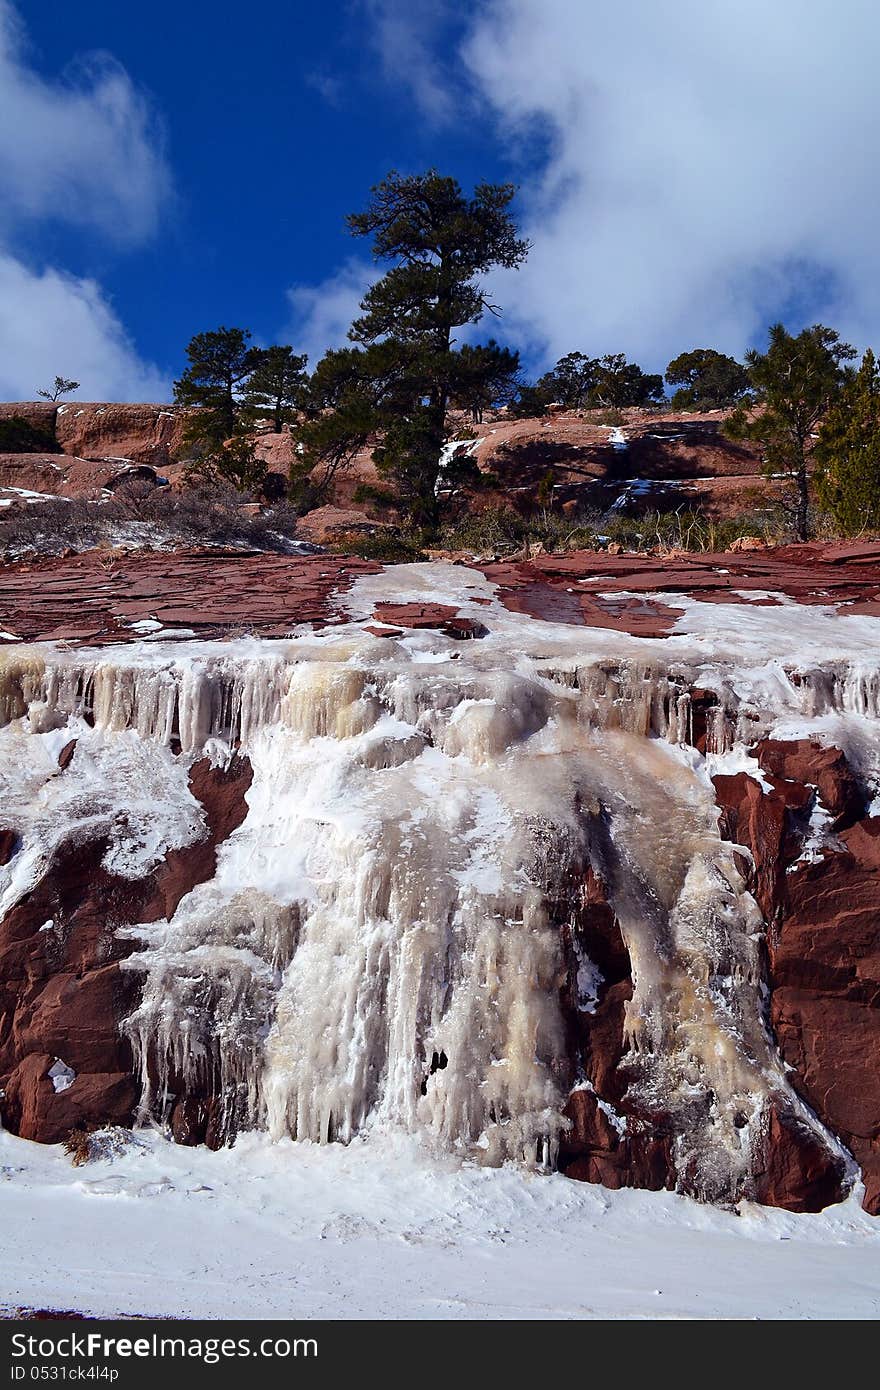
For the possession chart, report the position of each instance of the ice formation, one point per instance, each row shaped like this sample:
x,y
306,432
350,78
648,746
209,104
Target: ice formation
x,y
381,944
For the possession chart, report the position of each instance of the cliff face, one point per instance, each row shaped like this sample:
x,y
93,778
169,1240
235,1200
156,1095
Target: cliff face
x,y
653,461
460,857
106,430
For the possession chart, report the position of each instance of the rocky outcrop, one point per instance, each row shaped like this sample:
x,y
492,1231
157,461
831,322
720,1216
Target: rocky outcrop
x,y
96,432
63,1061
551,586
823,942
615,1138
338,526
27,478
142,433
676,460
97,597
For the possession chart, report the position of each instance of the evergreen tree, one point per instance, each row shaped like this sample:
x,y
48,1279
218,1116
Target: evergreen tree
x,y
438,242
277,384
619,383
220,364
570,383
486,378
707,380
847,452
579,382
530,401
344,405
62,386
796,381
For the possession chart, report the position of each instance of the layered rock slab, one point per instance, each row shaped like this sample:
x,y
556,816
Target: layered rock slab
x,y
823,941
62,992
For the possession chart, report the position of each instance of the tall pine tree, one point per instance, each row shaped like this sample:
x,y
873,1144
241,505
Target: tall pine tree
x,y
220,365
796,381
848,453
439,242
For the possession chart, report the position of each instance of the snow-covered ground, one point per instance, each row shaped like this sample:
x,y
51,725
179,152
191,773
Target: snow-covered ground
x,y
376,1230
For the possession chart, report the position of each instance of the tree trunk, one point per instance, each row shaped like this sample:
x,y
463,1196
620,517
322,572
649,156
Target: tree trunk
x,y
802,514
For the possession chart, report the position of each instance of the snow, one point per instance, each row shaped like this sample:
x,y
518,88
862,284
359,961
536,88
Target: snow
x,y
383,901
618,439
60,1074
376,1231
28,495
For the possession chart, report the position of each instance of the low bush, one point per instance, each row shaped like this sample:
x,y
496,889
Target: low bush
x,y
141,515
385,547
18,436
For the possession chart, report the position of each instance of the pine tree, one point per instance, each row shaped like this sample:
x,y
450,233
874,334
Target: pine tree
x,y
707,380
220,364
343,406
62,386
847,453
439,243
277,384
796,381
486,378
619,383
570,383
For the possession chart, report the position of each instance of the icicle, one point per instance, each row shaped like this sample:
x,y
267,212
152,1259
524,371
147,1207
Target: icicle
x,y
378,946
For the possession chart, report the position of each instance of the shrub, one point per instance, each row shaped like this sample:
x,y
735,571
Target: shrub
x,y
141,515
78,1144
385,547
19,436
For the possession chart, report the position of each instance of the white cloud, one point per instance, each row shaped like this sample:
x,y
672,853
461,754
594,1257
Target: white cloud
x,y
84,151
322,314
707,163
52,324
406,37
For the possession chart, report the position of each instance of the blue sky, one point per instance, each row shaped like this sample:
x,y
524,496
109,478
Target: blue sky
x,y
275,122
166,168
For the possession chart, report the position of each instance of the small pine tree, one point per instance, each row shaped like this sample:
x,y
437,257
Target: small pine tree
x,y
62,386
277,384
848,453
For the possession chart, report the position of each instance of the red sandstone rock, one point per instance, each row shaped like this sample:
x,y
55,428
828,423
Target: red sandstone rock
x,y
8,845
62,993
65,757
552,587
757,820
144,433
797,1172
824,959
213,593
33,1109
806,762
333,525
825,1004
441,616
